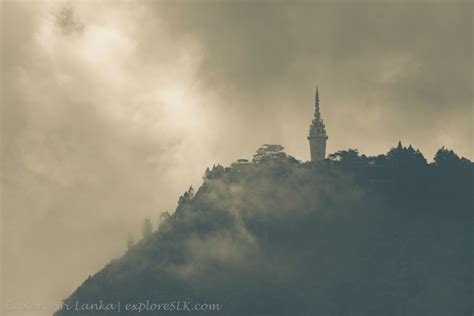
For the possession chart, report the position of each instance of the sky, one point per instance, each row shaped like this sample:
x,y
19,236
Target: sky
x,y
111,110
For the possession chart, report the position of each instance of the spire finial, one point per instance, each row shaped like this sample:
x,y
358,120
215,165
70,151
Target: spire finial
x,y
317,113
317,97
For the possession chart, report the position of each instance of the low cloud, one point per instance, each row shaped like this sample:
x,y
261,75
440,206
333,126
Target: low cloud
x,y
110,111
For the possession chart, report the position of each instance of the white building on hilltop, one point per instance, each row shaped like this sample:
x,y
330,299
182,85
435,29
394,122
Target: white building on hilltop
x,y
317,134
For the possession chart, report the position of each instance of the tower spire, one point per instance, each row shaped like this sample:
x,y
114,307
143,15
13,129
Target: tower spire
x,y
317,132
317,113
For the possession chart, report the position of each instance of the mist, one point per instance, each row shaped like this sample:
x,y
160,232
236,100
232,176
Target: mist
x,y
111,110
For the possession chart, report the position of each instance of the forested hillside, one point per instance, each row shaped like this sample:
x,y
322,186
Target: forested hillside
x,y
350,235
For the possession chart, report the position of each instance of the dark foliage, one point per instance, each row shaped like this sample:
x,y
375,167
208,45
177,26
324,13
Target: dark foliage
x,y
352,235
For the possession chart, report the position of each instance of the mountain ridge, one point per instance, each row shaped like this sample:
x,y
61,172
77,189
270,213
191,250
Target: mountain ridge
x,y
350,235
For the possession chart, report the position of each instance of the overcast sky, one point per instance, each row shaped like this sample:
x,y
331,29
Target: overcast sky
x,y
110,110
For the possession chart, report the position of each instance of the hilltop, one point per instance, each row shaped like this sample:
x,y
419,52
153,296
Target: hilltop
x,y
349,235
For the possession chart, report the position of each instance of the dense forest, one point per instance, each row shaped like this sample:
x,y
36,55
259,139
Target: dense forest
x,y
351,235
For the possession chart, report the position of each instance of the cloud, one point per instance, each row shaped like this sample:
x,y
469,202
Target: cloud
x,y
409,63
66,20
110,111
94,140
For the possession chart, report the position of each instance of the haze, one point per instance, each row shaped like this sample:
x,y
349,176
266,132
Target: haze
x,y
111,110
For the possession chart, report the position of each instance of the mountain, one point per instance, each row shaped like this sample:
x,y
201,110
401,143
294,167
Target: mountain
x,y
350,235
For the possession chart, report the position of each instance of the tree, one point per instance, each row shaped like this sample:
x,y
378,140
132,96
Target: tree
x,y
206,173
187,196
185,200
191,192
268,152
147,228
130,241
445,157
164,217
401,155
216,172
350,155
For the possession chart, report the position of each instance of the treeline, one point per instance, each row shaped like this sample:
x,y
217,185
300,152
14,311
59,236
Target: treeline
x,y
350,235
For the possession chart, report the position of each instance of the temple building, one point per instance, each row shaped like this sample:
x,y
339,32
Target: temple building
x,y
317,133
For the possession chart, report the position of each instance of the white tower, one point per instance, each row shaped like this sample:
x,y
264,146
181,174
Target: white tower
x,y
317,134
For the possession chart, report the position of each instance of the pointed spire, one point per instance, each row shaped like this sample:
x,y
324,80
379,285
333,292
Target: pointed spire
x,y
317,113
317,133
316,98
